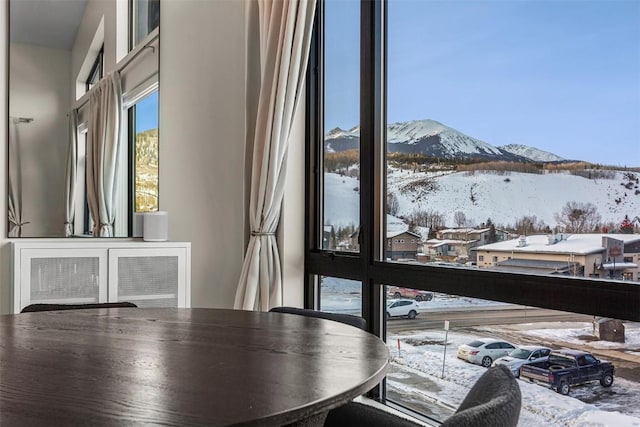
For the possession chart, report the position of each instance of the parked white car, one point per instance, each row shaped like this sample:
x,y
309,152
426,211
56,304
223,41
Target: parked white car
x,y
484,351
523,355
402,307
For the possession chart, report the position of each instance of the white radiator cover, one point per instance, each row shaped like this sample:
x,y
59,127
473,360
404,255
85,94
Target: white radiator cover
x,y
149,274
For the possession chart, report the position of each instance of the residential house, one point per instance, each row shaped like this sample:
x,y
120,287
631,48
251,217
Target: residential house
x,y
587,255
402,245
457,244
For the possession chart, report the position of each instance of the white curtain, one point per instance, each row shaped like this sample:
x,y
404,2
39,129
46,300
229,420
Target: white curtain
x,y
285,35
103,145
15,181
71,174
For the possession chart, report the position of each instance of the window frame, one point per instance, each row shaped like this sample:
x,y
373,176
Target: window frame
x,y
133,21
139,94
572,294
97,70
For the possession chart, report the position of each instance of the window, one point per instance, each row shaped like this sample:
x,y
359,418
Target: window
x,y
144,18
143,130
423,83
97,70
82,215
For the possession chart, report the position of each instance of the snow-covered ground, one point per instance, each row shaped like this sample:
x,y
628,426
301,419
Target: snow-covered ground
x,y
417,375
421,355
503,198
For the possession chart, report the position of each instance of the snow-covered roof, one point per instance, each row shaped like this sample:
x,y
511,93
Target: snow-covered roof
x,y
459,230
391,234
395,224
436,243
576,244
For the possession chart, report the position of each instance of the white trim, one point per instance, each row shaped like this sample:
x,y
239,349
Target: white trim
x,y
144,89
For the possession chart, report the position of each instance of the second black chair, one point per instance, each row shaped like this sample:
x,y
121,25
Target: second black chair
x,y
349,319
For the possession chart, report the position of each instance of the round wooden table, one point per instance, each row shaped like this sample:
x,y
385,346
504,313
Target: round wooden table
x,y
175,366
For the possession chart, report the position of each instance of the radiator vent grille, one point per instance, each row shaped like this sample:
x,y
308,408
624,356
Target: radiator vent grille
x,y
147,275
64,277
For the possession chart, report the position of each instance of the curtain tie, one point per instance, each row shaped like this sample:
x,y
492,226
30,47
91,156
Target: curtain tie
x,y
20,224
260,234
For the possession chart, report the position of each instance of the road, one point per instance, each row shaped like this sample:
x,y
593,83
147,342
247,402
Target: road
x,y
478,316
626,365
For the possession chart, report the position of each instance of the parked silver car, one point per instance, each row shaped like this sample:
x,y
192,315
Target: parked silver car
x,y
522,356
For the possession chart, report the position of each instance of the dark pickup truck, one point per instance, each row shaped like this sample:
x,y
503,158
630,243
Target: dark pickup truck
x,y
566,368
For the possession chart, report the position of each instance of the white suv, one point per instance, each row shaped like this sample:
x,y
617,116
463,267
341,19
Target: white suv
x,y
402,307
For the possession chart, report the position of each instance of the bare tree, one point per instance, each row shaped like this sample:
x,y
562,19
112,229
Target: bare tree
x,y
526,225
459,218
577,217
433,220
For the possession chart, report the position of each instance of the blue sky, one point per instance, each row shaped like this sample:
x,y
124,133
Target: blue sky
x,y
562,76
147,113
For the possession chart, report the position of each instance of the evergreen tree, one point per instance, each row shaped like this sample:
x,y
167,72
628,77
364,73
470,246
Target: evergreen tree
x,y
493,236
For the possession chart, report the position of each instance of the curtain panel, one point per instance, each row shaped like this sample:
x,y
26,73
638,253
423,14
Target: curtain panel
x,y
285,29
103,146
71,174
15,181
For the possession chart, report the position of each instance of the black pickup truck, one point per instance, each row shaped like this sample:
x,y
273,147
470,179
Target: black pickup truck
x,y
566,368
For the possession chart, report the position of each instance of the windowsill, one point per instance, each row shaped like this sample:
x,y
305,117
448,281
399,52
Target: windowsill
x,y
394,411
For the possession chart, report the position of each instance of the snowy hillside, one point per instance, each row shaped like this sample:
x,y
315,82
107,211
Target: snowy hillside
x,y
503,198
435,139
531,153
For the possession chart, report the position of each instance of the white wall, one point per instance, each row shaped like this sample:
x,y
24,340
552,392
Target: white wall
x,y
202,133
203,178
39,89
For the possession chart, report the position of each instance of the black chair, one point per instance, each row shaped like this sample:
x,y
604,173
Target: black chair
x,y
349,319
493,401
355,414
51,307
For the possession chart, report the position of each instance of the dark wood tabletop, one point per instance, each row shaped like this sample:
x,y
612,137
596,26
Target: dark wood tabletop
x,y
179,367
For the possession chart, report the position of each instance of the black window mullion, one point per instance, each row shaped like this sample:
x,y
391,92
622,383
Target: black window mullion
x,y
604,298
371,143
313,156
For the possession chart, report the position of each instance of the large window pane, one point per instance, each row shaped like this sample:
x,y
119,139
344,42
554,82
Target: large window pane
x,y
341,125
340,295
431,378
519,120
145,18
513,145
146,153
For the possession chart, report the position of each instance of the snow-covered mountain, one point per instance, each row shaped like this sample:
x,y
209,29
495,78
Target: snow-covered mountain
x,y
531,153
431,138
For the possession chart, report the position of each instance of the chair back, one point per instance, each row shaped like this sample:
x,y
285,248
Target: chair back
x,y
349,319
355,414
51,307
494,400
